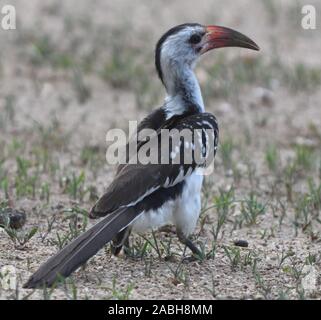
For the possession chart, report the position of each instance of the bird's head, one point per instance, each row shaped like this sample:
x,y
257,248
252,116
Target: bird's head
x,y
182,45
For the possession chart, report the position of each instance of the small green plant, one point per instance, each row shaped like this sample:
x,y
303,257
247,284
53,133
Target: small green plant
x,y
70,289
81,88
308,207
47,292
52,136
290,177
283,294
303,77
284,256
61,240
272,157
7,116
312,259
20,238
212,290
148,262
74,185
251,209
167,247
295,270
4,185
45,192
222,203
139,249
304,157
239,258
119,294
50,224
262,286
180,274
90,155
154,244
78,220
226,150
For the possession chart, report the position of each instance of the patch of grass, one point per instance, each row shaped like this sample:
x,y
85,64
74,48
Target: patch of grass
x,y
52,137
307,209
122,67
251,209
117,293
14,148
26,181
125,69
70,289
154,244
302,77
50,224
226,150
290,173
45,51
48,292
74,185
228,77
304,157
212,290
45,192
312,259
279,211
78,220
20,238
261,285
93,158
180,274
267,233
272,157
4,182
223,204
295,270
81,88
140,248
285,254
237,258
7,115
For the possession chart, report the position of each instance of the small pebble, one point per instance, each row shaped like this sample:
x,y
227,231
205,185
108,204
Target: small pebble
x,y
14,218
241,243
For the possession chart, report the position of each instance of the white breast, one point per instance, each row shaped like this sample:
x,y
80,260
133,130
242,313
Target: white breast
x,y
154,219
182,212
189,204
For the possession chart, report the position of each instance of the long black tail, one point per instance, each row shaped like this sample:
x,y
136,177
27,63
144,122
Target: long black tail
x,y
82,248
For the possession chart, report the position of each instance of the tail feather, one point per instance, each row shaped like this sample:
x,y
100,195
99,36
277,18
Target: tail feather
x,y
82,248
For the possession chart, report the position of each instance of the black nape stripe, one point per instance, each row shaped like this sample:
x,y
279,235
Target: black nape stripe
x,y
160,42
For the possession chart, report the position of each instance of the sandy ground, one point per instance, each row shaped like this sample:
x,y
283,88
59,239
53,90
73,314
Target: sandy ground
x,y
72,70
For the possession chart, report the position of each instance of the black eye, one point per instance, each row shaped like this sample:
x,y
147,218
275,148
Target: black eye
x,y
195,38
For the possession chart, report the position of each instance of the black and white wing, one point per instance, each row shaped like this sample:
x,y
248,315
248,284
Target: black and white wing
x,y
134,182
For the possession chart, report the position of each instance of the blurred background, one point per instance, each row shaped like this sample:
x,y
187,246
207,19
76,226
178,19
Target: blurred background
x,y
74,69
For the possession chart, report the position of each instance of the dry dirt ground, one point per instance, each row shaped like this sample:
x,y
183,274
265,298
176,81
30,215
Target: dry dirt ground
x,y
72,70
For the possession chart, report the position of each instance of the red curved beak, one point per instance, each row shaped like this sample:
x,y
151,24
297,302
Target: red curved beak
x,y
219,37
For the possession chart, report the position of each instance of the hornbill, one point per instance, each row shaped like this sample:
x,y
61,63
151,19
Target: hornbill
x,y
148,196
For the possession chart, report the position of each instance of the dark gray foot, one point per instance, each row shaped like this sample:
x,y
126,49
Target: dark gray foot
x,y
197,254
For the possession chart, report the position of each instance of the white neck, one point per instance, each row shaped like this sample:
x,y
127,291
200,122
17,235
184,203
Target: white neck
x,y
182,89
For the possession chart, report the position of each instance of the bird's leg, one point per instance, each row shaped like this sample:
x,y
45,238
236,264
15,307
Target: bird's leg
x,y
188,242
127,249
121,241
